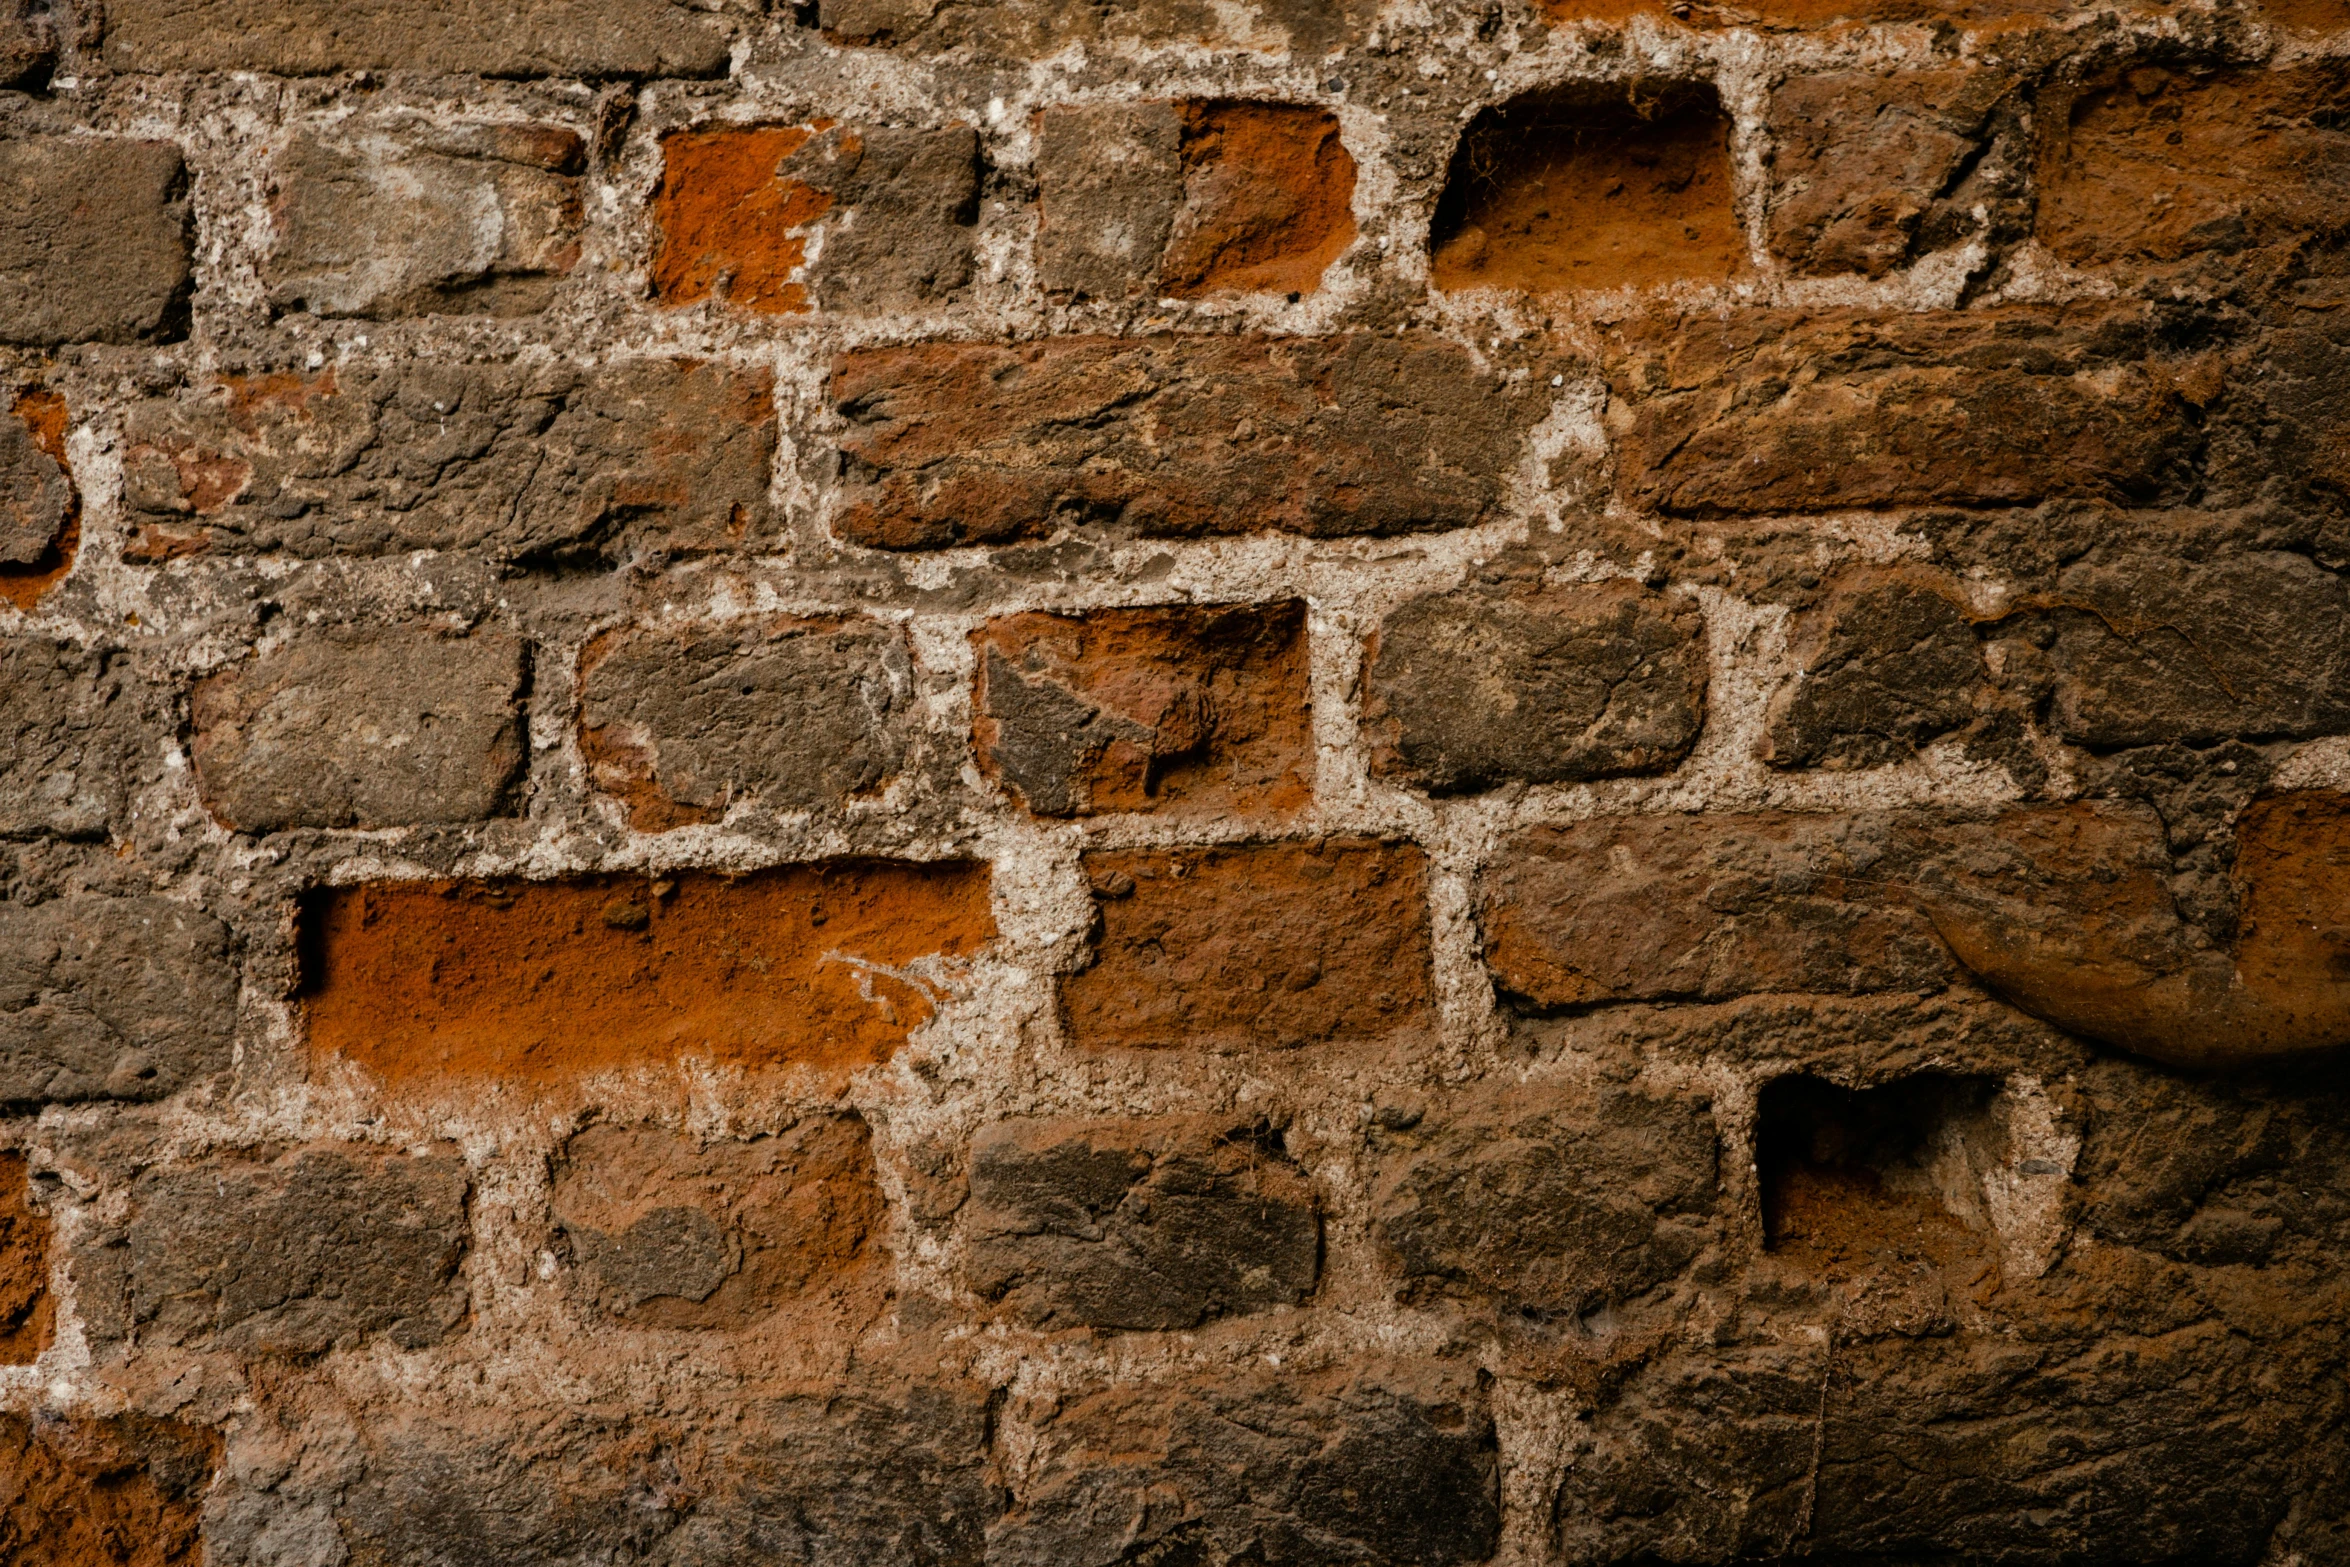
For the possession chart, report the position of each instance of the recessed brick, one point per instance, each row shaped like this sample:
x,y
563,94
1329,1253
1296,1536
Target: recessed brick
x,y
2156,163
25,1311
1267,200
112,998
1471,689
93,240
956,443
1575,191
819,965
40,506
463,220
1275,945
791,714
123,1491
1187,709
738,206
371,728
668,1231
1887,664
590,38
543,463
1144,1224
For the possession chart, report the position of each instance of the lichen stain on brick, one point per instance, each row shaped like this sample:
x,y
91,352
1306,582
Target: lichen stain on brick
x,y
540,982
40,508
121,1492
1554,193
730,224
1267,193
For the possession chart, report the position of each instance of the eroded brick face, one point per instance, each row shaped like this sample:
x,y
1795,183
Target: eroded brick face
x,y
126,1491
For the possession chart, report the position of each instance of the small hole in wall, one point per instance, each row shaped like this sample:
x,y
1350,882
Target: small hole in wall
x,y
1854,1179
1563,191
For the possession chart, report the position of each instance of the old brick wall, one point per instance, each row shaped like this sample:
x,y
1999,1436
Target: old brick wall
x,y
1293,782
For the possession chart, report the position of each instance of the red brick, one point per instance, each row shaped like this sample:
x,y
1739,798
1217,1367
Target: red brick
x,y
24,1268
727,219
1261,945
1267,192
120,1492
40,506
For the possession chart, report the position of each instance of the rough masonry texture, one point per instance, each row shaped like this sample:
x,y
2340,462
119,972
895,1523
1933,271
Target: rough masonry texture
x,y
1190,783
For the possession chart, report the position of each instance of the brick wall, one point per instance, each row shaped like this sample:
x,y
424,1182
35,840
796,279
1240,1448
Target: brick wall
x,y
1301,783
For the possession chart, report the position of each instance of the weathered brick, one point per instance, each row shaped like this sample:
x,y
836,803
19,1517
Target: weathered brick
x,y
790,714
890,210
1887,664
1387,1462
1470,689
520,462
1187,709
1267,193
827,965
590,38
670,1232
69,738
1549,1200
40,507
1262,945
1874,171
1597,188
1015,29
112,998
2158,163
119,1491
1108,178
25,1307
93,240
469,219
1644,908
1765,412
1149,1224
2156,649
28,43
323,1246
951,443
369,728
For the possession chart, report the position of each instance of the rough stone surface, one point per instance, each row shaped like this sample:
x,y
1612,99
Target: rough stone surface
x,y
37,497
792,715
27,1310
981,445
548,463
123,1491
1472,689
366,729
1138,1224
475,219
1273,945
1267,189
1194,711
1888,664
69,737
28,44
93,240
1109,179
129,998
591,38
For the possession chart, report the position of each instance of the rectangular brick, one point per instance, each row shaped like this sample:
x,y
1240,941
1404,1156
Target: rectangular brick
x,y
1175,437
784,713
364,728
115,1491
590,38
532,463
825,965
1274,945
1198,710
71,734
101,998
93,240
1019,30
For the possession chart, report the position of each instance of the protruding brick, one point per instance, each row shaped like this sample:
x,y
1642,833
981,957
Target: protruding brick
x,y
590,38
328,1245
1549,1200
93,240
40,507
951,443
1264,945
520,462
112,998
1143,1224
69,738
466,220
670,1232
122,1491
1109,178
790,714
25,1310
1557,192
827,965
1873,171
1886,665
2156,163
738,206
1267,193
1471,689
1650,908
362,729
1189,709
1383,1464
